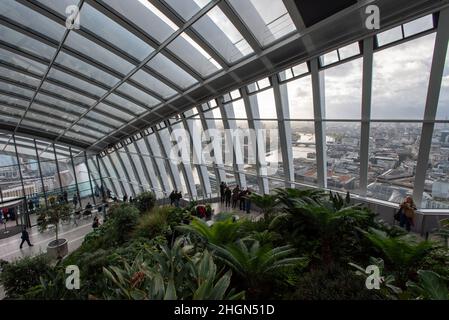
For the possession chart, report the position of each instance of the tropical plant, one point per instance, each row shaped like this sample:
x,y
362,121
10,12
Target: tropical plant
x,y
256,264
266,203
431,286
145,201
221,232
153,223
443,231
403,254
19,276
337,200
52,215
293,197
124,219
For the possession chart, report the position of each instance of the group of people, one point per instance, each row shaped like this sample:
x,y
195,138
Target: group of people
x,y
175,197
236,195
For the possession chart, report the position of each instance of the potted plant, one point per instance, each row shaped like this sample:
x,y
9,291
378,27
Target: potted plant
x,y
52,215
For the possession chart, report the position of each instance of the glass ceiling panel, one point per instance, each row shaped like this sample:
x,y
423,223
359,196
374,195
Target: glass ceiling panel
x,y
95,124
268,20
12,100
76,82
150,82
9,120
9,110
137,94
15,89
77,136
98,53
86,69
59,5
67,93
23,62
112,32
82,130
19,77
222,35
99,116
35,116
107,108
60,103
40,126
171,71
26,43
53,111
418,25
125,104
195,56
145,16
28,17
187,8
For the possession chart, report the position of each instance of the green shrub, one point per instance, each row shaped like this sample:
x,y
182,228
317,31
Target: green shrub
x,y
145,202
124,219
337,283
153,223
21,275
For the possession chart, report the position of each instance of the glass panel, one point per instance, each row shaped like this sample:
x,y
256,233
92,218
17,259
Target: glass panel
x,y
112,32
60,5
86,69
113,175
125,104
23,62
392,160
268,20
187,8
171,71
300,98
19,77
52,111
14,101
443,104
133,182
76,82
195,56
31,19
95,124
46,119
82,177
349,51
84,130
150,82
236,110
436,188
138,165
81,137
146,16
16,89
137,94
389,36
40,126
69,94
96,115
59,103
329,58
418,25
343,155
114,111
121,173
400,80
267,106
27,43
269,148
343,93
222,35
11,111
98,53
304,152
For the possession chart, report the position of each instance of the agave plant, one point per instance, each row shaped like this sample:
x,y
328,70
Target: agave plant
x,y
431,286
221,232
255,263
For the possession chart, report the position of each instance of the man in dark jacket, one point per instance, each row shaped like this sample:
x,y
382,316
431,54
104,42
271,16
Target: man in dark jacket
x,y
25,237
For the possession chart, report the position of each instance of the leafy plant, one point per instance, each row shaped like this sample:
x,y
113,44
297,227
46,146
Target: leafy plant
x,y
431,286
19,276
443,231
145,202
266,203
52,215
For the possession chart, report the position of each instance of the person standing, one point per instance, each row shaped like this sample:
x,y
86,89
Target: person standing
x,y
407,213
75,200
222,191
242,199
125,197
25,237
96,223
248,201
235,196
228,196
172,197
